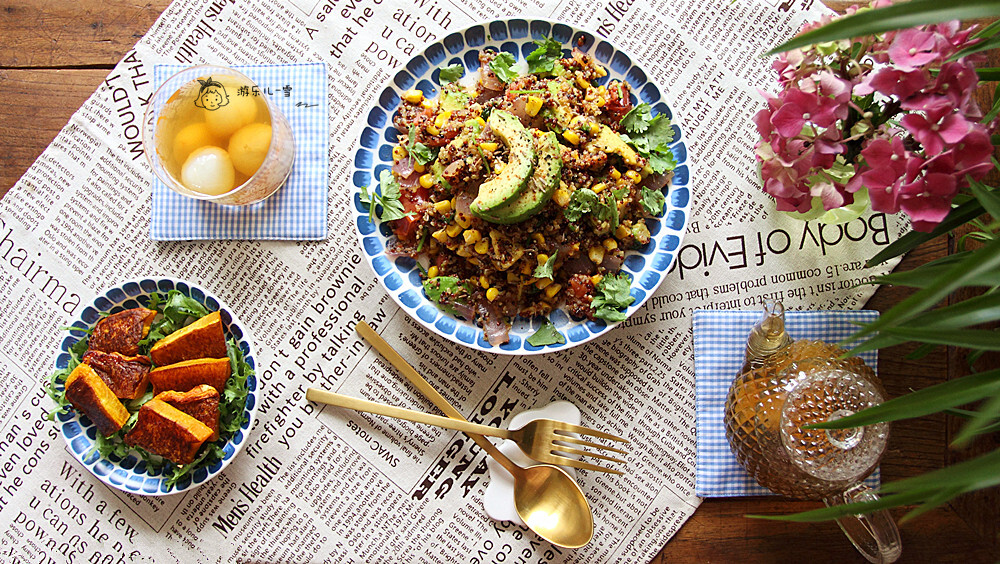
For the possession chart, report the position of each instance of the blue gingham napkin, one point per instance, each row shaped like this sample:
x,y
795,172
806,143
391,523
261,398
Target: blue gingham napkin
x,y
297,211
719,341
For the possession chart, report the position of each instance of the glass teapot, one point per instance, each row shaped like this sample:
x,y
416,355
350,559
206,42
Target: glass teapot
x,y
785,385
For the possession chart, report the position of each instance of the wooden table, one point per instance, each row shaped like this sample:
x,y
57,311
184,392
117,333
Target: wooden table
x,y
54,54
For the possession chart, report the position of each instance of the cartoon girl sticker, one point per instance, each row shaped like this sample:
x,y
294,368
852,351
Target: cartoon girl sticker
x,y
212,95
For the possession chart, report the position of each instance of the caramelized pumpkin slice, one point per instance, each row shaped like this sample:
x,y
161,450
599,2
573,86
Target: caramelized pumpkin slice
x,y
202,339
91,396
200,402
121,332
167,431
127,376
182,376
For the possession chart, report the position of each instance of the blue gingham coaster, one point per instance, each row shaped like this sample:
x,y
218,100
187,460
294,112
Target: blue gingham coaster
x,y
298,210
719,341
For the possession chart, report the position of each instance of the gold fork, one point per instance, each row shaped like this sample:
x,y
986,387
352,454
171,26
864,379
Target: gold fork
x,y
540,439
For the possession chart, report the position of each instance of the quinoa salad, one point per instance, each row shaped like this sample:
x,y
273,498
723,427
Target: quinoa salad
x,y
521,186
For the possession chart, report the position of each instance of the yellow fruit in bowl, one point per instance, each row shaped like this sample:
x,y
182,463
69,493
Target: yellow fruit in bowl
x,y
209,170
189,138
226,120
248,147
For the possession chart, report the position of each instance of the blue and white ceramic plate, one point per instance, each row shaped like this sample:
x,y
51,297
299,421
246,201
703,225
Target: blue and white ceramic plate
x,y
400,276
130,474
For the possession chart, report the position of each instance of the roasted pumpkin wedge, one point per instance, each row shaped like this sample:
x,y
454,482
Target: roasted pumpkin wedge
x,y
91,396
182,376
200,402
121,332
167,431
204,338
127,376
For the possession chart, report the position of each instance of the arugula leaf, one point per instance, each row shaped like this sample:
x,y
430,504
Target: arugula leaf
x,y
652,201
176,311
501,65
422,154
543,58
451,73
547,334
545,270
650,136
614,294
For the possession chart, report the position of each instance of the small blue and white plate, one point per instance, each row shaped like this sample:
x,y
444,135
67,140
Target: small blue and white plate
x,y
400,276
130,474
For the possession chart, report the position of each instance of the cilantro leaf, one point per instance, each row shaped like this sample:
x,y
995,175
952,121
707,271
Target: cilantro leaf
x,y
547,334
421,154
614,294
582,201
651,137
545,270
392,209
451,73
652,201
501,65
544,57
662,161
637,119
659,134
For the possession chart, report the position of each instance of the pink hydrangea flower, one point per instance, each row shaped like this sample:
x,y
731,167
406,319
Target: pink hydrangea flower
x,y
935,135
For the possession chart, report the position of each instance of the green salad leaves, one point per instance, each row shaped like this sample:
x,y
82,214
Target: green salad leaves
x,y
543,59
547,334
502,65
175,309
451,73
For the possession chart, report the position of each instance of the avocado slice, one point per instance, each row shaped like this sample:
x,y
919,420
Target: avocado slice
x,y
541,185
611,143
511,181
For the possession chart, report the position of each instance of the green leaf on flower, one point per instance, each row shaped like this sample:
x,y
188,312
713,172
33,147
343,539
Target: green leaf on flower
x,y
451,73
547,334
502,65
614,293
652,201
545,270
543,59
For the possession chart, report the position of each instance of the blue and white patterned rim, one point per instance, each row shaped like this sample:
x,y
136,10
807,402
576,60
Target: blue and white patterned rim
x,y
130,474
400,276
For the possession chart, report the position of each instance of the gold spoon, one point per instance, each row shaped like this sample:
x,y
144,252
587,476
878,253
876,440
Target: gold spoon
x,y
546,498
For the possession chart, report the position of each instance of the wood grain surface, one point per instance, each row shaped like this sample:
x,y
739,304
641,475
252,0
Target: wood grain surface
x,y
53,56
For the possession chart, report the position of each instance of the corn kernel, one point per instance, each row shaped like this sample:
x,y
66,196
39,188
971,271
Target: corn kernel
x,y
615,174
444,206
633,176
453,230
594,128
427,104
561,197
492,294
433,130
620,182
482,246
571,136
622,232
480,121
441,235
488,146
484,282
462,220
442,118
601,101
596,254
596,279
552,290
610,244
601,71
539,238
472,236
498,167
426,180
582,82
599,187
413,96
398,153
542,283
419,167
432,272
533,106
